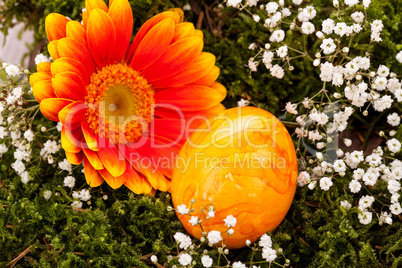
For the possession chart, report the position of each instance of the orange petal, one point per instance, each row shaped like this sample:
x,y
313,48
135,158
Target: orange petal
x,y
178,14
71,48
74,158
148,25
92,4
189,98
203,64
43,90
89,136
101,37
44,67
39,76
176,58
208,78
220,88
122,16
189,115
76,31
92,176
183,30
85,18
157,180
70,65
52,106
53,50
153,45
69,85
199,33
93,158
73,115
69,142
134,181
55,25
113,161
114,182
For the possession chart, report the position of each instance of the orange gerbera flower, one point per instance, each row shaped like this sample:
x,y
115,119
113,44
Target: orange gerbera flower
x,y
125,106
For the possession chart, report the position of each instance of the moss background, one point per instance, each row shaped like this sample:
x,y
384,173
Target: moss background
x,y
127,229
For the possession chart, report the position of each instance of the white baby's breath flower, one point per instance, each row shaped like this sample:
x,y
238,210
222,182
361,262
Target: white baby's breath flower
x,y
395,208
365,217
65,165
277,71
357,16
351,2
394,119
346,204
282,51
69,181
41,58
154,259
291,108
366,202
238,264
185,259
182,209
230,221
214,237
193,220
325,183
12,70
233,3
271,7
366,3
307,28
277,36
328,26
206,261
355,186
394,145
297,2
265,241
47,194
399,56
269,254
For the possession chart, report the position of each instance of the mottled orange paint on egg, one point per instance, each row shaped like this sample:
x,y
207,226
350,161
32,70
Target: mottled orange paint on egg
x,y
243,162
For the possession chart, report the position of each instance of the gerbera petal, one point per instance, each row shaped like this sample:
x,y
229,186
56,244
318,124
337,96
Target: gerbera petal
x,y
85,16
55,25
199,33
114,182
71,48
69,65
209,78
203,64
183,30
69,142
178,14
53,50
73,115
69,85
148,25
89,136
44,67
196,97
134,181
122,16
74,158
177,56
93,158
92,4
40,76
112,160
43,90
153,45
76,31
171,129
220,88
157,180
52,106
101,37
92,176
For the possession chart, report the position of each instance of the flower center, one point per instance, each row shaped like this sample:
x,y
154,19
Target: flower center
x,y
119,101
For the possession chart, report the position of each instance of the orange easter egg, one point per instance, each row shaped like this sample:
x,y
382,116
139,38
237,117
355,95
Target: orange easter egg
x,y
243,163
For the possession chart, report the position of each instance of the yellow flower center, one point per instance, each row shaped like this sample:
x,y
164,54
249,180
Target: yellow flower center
x,y
119,101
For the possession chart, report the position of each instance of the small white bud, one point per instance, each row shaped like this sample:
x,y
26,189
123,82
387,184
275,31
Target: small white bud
x,y
319,34
345,49
358,77
392,133
316,62
365,113
347,142
267,45
337,95
317,55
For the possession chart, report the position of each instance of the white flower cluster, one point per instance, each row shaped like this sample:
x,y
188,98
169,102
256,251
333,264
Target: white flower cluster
x,y
351,84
